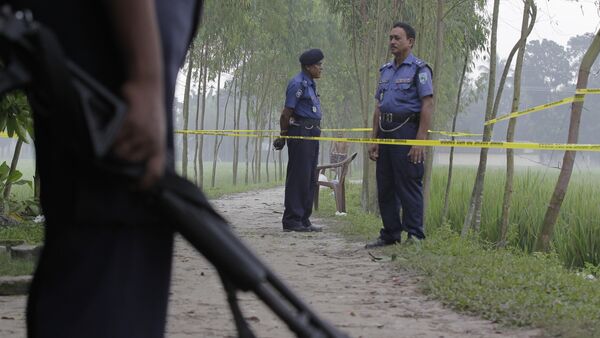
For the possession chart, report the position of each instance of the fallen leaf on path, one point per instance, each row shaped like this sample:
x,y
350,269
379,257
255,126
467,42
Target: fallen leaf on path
x,y
382,258
253,319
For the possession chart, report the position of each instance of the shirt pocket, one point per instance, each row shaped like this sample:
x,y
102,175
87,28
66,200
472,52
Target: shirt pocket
x,y
383,85
403,86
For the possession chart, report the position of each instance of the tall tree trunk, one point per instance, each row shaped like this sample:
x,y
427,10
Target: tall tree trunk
x,y
186,112
197,117
256,155
260,123
200,159
219,139
437,66
473,218
547,229
529,6
451,159
236,125
247,138
13,168
421,26
270,118
357,42
217,119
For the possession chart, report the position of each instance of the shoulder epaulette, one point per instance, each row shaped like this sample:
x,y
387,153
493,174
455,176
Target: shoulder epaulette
x,y
385,66
420,63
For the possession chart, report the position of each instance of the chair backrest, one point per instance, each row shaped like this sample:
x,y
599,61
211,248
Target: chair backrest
x,y
344,166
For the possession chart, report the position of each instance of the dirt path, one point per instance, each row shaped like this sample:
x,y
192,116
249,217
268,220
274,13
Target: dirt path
x,y
339,280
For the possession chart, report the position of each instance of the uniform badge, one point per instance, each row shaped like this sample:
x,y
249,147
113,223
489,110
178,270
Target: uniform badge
x,y
299,93
423,78
314,109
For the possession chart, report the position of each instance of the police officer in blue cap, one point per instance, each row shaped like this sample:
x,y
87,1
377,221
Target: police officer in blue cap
x,y
403,111
301,116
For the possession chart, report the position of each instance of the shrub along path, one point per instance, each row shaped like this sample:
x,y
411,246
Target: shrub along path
x,y
338,278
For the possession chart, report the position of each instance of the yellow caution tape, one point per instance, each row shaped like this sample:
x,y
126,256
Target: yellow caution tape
x,y
452,133
241,131
277,131
347,129
579,95
531,110
426,143
588,91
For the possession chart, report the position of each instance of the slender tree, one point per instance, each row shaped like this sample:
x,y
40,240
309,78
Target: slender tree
x,y
186,111
472,220
529,15
451,156
547,228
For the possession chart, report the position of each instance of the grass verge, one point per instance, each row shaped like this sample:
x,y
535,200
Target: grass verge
x,y
506,286
29,233
219,191
15,267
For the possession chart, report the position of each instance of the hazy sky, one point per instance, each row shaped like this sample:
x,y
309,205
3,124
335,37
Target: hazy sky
x,y
557,20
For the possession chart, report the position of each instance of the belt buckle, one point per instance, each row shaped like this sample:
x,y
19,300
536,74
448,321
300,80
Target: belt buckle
x,y
388,117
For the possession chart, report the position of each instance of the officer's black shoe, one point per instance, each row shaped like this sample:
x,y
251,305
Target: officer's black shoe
x,y
297,229
314,228
378,243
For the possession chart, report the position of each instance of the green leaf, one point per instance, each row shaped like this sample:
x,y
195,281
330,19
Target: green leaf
x,y
4,169
14,176
22,133
11,126
3,118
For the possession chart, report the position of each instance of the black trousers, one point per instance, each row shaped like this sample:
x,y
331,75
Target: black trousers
x,y
105,267
301,177
399,186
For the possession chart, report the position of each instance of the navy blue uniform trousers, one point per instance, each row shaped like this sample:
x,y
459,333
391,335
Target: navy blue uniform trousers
x,y
105,267
399,185
301,177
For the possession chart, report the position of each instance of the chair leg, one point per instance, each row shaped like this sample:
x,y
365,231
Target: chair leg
x,y
342,198
337,193
316,198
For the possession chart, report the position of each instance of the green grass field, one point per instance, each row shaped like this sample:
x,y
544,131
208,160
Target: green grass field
x,y
577,234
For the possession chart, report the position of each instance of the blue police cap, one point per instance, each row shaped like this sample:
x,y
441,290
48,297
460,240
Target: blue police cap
x,y
311,56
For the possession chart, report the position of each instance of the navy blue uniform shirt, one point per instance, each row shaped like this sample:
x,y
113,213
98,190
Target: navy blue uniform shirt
x,y
301,96
402,88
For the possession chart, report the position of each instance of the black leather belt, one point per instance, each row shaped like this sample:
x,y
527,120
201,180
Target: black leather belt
x,y
393,117
305,122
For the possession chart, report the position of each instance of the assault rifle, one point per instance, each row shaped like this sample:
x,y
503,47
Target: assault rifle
x,y
33,61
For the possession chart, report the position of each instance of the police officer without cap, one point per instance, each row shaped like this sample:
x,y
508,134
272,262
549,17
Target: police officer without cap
x,y
403,111
301,116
